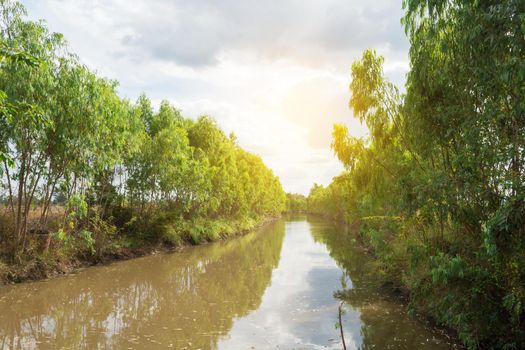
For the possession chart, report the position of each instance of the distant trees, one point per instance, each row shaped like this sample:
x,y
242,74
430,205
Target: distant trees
x,y
438,186
65,133
194,167
295,203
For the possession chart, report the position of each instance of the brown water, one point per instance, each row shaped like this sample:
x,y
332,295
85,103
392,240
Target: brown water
x,y
273,289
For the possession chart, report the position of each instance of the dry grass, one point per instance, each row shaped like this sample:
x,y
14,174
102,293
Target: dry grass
x,y
6,216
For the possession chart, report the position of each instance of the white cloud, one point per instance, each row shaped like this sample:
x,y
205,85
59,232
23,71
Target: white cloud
x,y
275,72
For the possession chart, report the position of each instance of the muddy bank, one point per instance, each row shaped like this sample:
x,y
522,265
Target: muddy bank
x,y
52,265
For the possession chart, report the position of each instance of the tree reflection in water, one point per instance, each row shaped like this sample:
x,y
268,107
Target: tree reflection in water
x,y
211,297
186,299
384,320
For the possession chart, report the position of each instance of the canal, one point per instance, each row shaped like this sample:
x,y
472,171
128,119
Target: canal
x,y
277,288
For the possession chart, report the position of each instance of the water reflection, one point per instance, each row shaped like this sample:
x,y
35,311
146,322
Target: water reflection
x,y
298,309
383,320
182,300
277,288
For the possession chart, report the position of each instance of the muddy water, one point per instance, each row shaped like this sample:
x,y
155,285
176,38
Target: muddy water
x,y
278,288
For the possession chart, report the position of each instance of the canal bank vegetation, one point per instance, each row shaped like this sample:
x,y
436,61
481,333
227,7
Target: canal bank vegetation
x,y
87,175
214,285
438,185
295,203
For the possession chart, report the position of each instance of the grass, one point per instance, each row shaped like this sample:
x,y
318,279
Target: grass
x,y
98,241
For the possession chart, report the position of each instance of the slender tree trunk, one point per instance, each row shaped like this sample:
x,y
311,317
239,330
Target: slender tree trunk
x,y
29,198
21,185
47,202
11,203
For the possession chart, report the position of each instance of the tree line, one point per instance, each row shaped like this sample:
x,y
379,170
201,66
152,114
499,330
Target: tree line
x,y
437,186
87,167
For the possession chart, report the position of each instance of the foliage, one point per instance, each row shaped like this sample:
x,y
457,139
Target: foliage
x,y
114,170
295,203
438,185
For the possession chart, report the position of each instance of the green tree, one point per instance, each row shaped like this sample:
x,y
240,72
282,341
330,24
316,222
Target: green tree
x,y
437,186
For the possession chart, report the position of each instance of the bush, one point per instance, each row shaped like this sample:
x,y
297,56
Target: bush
x,y
171,236
99,237
4,270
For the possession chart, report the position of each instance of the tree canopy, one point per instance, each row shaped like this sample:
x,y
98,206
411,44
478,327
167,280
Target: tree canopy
x,y
106,165
437,186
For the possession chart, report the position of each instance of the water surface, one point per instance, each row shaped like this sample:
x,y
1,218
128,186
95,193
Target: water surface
x,y
278,288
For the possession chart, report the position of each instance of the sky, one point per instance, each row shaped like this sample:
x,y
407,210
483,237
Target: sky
x,y
274,72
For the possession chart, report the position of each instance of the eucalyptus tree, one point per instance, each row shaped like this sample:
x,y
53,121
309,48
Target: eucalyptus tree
x,y
78,132
25,130
438,185
66,137
465,97
205,135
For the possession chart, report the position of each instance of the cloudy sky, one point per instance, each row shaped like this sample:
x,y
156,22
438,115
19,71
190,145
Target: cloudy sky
x,y
275,72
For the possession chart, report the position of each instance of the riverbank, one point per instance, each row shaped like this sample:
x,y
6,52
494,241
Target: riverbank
x,y
277,287
57,263
390,283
